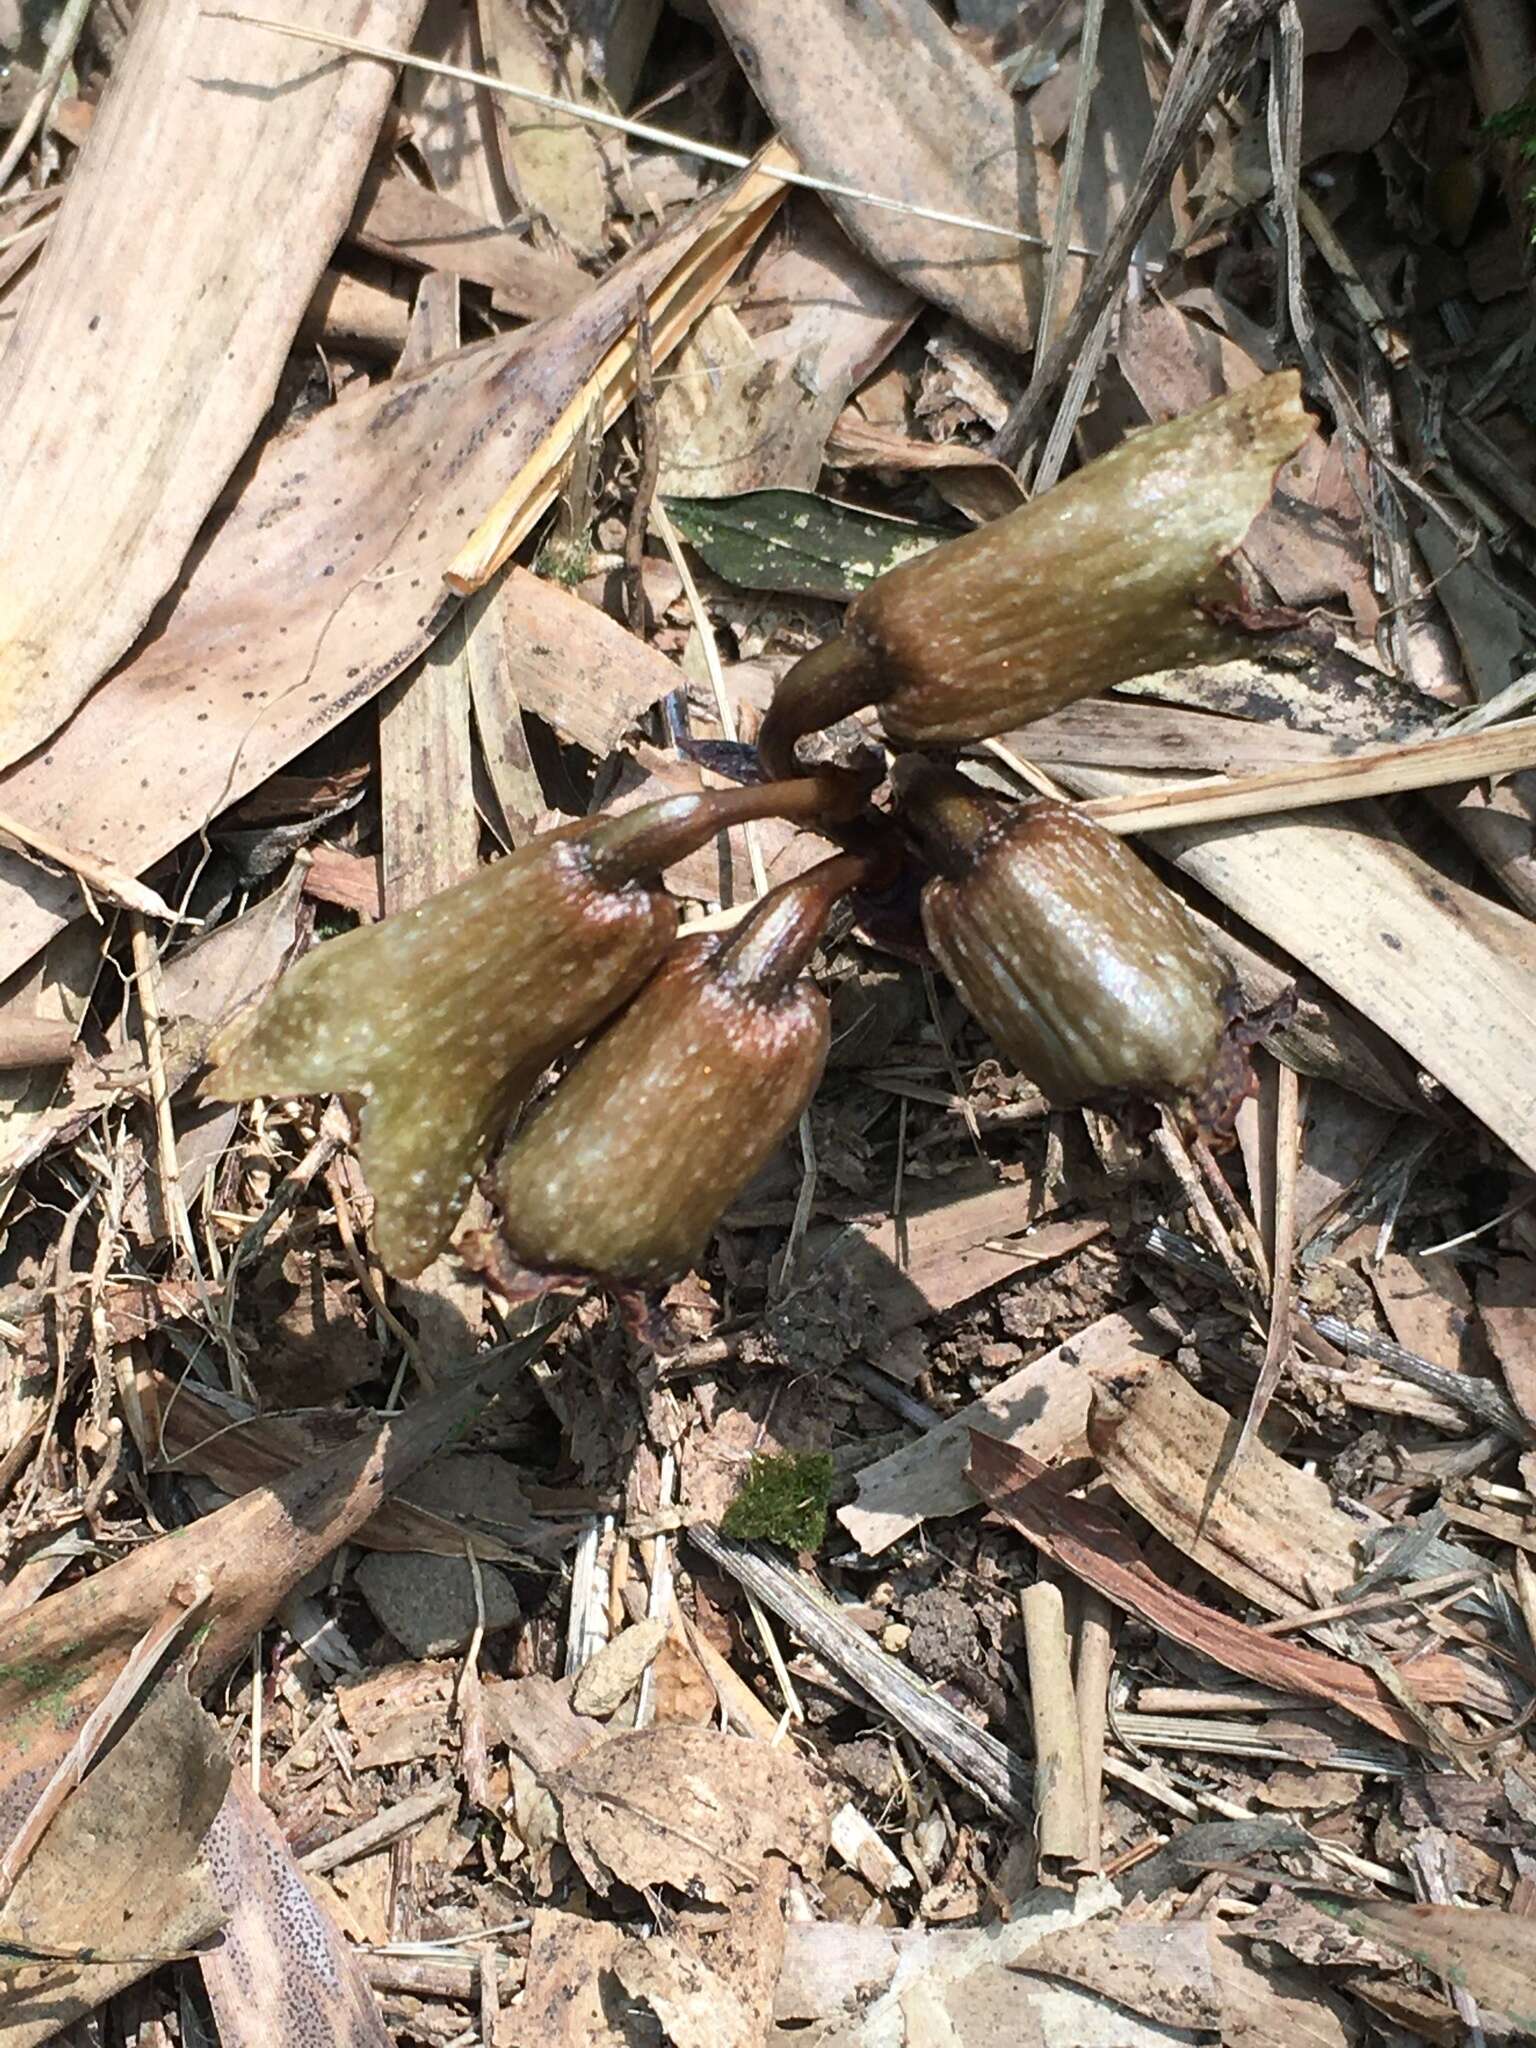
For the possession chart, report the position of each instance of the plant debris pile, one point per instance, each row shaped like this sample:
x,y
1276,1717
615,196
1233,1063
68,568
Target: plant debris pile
x,y
767,1122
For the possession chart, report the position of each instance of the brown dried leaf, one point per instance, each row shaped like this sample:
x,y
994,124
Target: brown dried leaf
x,y
1506,1301
1094,1546
696,2008
1041,1408
123,1869
173,296
1162,1972
887,98
567,1997
553,159
282,1971
753,394
943,1252
411,224
689,1808
1482,1950
59,1657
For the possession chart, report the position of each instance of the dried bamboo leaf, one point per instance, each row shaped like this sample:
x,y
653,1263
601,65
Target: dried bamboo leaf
x,y
887,97
123,1870
1416,764
218,174
409,223
554,159
1482,1950
320,586
702,254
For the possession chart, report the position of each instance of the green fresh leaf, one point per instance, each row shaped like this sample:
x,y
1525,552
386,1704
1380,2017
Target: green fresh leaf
x,y
798,544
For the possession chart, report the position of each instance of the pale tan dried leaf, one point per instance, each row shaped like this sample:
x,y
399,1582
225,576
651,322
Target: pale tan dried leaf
x,y
553,159
941,1252
216,179
409,223
887,98
1264,2008
570,1959
282,1971
751,397
1162,1972
696,2008
605,1681
577,668
1043,1408
1489,1953
689,1808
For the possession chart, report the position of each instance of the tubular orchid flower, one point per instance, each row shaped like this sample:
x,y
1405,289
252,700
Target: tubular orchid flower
x,y
1119,571
438,1021
625,1170
1083,967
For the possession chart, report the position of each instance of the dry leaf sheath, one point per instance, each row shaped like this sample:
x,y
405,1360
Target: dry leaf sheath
x,y
441,1019
1077,961
627,1168
1120,571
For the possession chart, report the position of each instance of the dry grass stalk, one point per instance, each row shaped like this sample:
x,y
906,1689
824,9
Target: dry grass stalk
x,y
102,878
1416,764
672,307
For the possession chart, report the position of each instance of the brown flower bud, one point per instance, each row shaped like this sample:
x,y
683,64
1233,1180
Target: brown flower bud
x,y
1078,962
1119,571
628,1166
439,1020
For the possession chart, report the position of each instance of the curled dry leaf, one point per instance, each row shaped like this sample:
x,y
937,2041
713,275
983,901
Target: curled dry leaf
x,y
218,175
688,1808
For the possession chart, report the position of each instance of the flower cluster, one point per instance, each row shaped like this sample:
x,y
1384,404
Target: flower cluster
x,y
698,1056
